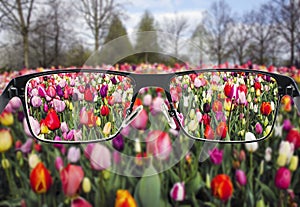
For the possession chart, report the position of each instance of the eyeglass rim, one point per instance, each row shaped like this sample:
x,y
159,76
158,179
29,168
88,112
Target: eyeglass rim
x,y
19,83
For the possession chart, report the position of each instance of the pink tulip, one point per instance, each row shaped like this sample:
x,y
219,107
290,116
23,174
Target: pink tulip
x,y
35,126
36,101
27,146
59,163
88,150
59,146
100,157
159,144
51,91
216,156
178,192
73,154
46,108
80,202
64,127
71,177
156,105
147,100
16,103
41,91
241,177
283,178
140,122
59,106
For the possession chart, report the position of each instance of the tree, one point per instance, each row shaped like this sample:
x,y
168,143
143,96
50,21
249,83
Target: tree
x,y
148,42
199,38
217,24
98,14
16,16
286,14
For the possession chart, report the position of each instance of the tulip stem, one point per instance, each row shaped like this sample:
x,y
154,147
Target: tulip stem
x,y
8,176
251,173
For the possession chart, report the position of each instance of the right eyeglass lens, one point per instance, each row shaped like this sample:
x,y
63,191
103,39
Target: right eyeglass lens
x,y
226,105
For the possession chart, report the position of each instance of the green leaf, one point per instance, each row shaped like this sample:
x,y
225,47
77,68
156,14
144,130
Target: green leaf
x,y
267,190
194,184
147,193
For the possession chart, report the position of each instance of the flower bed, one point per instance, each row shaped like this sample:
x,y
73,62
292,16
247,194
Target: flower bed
x,y
111,174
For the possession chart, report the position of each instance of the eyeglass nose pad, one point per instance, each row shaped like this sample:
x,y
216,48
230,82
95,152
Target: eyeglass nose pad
x,y
132,116
170,119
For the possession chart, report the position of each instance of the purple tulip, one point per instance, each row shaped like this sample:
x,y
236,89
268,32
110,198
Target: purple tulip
x,y
58,146
36,101
59,91
113,80
287,125
177,192
118,142
27,146
206,108
41,91
283,178
21,116
241,177
258,128
103,91
216,156
73,154
70,135
100,158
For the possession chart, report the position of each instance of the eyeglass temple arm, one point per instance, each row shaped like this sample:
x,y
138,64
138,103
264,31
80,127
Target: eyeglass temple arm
x,y
6,95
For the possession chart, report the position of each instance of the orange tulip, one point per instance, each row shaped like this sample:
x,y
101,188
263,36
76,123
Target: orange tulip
x,y
40,179
221,187
286,102
266,108
124,199
6,118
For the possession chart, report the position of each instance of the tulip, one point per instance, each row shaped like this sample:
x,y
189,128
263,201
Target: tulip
x,y
147,100
107,128
206,119
222,130
59,91
294,163
177,192
80,202
6,118
206,108
140,121
27,146
221,187
59,163
283,178
88,95
46,108
41,91
71,177
286,102
86,185
103,91
16,103
59,106
253,146
36,101
44,128
266,108
100,157
52,120
287,125
51,92
159,144
73,154
241,177
40,179
286,150
209,133
6,140
124,198
258,128
88,150
118,142
64,127
293,136
5,163
33,160
216,156
268,154
104,111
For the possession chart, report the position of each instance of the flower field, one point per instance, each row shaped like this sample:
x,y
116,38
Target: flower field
x,y
148,163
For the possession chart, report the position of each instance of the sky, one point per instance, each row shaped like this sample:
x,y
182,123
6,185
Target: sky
x,y
191,9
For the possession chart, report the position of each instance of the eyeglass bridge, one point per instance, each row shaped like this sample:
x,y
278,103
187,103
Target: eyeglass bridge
x,y
288,90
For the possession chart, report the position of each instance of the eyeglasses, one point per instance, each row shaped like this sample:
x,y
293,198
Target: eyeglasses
x,y
215,105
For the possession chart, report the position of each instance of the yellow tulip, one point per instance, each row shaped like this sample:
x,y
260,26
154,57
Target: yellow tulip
x,y
6,140
107,128
124,198
86,185
281,160
6,119
293,163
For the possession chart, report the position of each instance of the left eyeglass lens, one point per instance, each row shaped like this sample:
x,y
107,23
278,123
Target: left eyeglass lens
x,y
77,106
227,106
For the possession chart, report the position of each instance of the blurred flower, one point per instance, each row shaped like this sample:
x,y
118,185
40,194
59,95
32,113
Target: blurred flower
x,y
71,177
287,125
51,91
64,127
107,128
40,179
293,136
159,144
16,103
147,100
217,106
73,154
177,192
59,91
59,163
206,108
156,105
216,156
118,142
283,178
33,160
104,111
221,187
221,130
27,146
140,121
294,163
252,146
52,120
209,133
6,140
88,95
241,177
286,102
86,185
124,199
100,157
6,118
268,154
258,128
286,151
5,163
266,108
80,202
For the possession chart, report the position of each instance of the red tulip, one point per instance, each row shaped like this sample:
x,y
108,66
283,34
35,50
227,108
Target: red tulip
x,y
71,177
80,202
51,91
242,88
87,118
209,133
40,179
222,130
159,144
293,136
88,95
221,187
257,86
52,120
265,108
104,110
217,106
283,178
